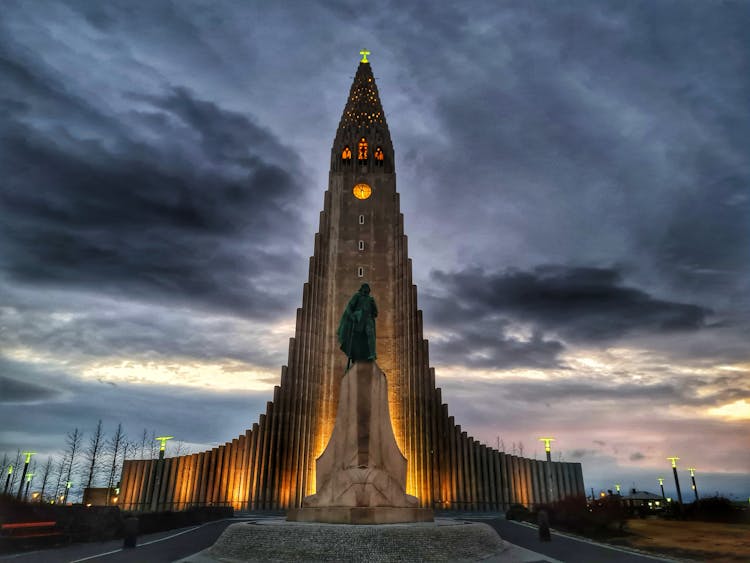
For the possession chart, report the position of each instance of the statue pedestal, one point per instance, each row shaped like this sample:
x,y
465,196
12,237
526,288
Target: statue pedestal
x,y
361,475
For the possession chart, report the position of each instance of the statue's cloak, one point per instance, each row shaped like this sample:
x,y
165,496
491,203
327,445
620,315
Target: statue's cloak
x,y
356,332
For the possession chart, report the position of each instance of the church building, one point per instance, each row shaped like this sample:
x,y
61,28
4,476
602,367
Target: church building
x,y
271,465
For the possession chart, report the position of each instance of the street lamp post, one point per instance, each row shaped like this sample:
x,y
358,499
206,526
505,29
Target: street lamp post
x,y
29,476
692,478
550,482
617,488
23,476
67,490
7,479
674,459
158,470
661,484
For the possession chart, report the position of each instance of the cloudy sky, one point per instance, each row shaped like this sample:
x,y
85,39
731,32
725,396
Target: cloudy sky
x,y
574,178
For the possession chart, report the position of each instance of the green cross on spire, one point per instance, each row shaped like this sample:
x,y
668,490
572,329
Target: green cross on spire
x,y
364,53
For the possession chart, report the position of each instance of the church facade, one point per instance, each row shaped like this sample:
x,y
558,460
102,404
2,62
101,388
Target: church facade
x,y
272,465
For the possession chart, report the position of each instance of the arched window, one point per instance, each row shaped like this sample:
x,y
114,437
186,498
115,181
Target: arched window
x,y
346,154
362,149
379,156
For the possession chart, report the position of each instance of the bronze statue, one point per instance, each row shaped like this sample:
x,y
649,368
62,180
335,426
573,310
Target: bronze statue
x,y
357,327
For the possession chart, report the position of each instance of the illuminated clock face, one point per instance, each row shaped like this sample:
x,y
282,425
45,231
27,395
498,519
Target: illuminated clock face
x,y
362,191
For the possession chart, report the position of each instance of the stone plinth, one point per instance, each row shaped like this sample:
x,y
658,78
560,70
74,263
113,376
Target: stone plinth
x,y
361,475
360,515
296,541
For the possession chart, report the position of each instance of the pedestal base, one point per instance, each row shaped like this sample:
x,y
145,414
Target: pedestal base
x,y
360,515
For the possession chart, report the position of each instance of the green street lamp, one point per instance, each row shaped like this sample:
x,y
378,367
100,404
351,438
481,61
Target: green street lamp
x,y
547,447
674,459
617,488
25,469
661,484
7,479
28,483
163,444
67,490
692,478
550,483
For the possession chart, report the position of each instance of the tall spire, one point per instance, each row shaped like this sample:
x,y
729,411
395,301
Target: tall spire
x,y
363,117
363,108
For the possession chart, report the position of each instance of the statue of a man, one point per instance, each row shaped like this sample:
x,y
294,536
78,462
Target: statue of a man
x,y
357,327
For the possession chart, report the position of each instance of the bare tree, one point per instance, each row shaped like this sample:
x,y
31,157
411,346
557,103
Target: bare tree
x,y
179,448
46,472
144,439
60,474
153,444
96,442
116,444
513,450
15,473
73,443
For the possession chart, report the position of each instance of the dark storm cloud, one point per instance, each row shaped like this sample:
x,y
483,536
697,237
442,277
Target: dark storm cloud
x,y
589,304
16,391
171,199
488,346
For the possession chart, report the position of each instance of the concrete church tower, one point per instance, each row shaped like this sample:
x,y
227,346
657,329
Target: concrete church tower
x,y
360,239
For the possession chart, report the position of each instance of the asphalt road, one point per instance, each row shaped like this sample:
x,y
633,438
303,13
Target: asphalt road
x,y
564,547
176,544
154,548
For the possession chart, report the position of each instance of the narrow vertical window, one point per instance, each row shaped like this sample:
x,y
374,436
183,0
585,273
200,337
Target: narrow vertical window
x,y
361,245
346,154
379,156
360,272
362,149
361,219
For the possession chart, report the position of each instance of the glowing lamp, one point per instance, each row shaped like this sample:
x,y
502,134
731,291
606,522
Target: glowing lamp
x,y
28,477
546,443
28,456
364,53
673,460
661,480
692,471
163,440
10,470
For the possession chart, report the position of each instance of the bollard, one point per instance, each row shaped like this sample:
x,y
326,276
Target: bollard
x,y
543,520
130,534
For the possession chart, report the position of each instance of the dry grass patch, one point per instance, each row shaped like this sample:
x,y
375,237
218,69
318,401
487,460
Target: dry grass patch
x,y
707,541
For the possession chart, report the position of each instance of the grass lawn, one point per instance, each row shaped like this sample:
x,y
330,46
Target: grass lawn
x,y
703,541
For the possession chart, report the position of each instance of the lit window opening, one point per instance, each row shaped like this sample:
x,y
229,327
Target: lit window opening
x,y
346,154
379,156
362,149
